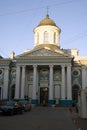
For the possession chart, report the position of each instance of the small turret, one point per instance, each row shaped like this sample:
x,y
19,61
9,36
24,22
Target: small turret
x,y
12,55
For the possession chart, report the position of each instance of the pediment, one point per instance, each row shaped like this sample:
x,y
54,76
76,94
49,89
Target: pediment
x,y
44,52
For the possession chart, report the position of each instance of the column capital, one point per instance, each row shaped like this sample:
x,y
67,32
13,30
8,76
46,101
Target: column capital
x,y
68,65
18,66
83,67
63,66
51,66
23,66
35,66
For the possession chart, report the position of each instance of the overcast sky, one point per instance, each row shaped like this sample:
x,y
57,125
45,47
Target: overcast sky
x,y
18,18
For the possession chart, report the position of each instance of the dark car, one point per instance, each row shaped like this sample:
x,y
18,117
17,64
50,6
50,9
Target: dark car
x,y
25,104
11,107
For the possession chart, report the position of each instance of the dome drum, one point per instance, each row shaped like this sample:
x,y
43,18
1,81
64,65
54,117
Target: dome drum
x,y
47,32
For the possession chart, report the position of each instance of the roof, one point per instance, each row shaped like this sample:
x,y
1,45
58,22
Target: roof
x,y
47,21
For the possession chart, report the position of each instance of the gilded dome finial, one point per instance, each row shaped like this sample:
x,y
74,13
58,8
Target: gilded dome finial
x,y
47,15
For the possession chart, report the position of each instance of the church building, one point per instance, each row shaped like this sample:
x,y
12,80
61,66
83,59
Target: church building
x,y
46,74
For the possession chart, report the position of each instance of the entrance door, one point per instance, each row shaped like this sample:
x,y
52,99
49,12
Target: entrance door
x,y
44,96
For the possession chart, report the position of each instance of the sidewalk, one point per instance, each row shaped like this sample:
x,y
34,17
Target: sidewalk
x,y
52,118
80,123
44,118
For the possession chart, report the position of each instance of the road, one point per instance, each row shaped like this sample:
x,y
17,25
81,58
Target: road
x,y
39,118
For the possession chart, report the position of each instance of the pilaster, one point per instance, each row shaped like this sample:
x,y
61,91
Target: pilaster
x,y
51,83
84,77
69,90
6,82
63,83
17,82
23,82
51,87
34,96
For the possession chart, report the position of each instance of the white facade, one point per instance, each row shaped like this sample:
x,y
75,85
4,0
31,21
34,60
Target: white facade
x,y
34,86
46,74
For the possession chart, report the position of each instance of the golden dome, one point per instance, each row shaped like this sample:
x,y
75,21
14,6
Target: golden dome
x,y
47,21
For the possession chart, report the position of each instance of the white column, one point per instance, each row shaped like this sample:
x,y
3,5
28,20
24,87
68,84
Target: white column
x,y
63,83
34,82
17,82
69,90
83,105
23,82
84,77
6,82
51,90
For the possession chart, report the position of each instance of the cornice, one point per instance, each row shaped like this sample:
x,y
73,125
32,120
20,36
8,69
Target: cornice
x,y
43,57
5,62
44,60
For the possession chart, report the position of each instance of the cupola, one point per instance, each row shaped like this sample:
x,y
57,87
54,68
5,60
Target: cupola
x,y
47,21
47,33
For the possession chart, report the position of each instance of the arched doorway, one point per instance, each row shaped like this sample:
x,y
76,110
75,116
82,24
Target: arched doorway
x,y
75,90
43,95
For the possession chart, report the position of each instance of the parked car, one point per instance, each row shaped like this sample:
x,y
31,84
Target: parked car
x,y
11,107
25,104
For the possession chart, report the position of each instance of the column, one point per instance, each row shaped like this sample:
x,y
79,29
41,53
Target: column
x,y
23,82
51,90
34,97
63,83
17,82
83,105
84,77
6,82
69,89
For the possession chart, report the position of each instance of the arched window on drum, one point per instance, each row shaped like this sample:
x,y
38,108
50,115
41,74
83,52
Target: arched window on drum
x,y
54,37
45,36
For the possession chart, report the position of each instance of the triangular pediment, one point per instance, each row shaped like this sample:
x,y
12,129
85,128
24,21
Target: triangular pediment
x,y
44,52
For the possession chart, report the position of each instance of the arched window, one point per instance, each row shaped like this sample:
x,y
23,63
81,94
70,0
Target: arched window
x,y
46,36
54,37
75,90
